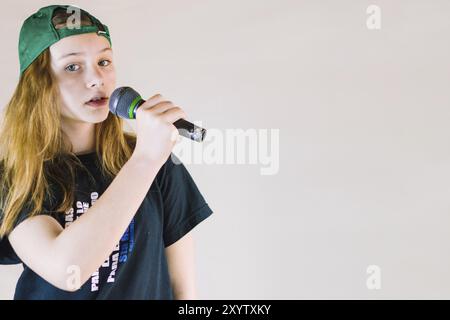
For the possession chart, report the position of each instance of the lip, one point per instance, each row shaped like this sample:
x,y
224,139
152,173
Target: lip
x,y
98,104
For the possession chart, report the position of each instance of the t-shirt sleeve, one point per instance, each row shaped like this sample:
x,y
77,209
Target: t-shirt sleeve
x,y
184,205
7,254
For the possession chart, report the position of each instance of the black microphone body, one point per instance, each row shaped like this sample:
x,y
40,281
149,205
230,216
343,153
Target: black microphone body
x,y
124,102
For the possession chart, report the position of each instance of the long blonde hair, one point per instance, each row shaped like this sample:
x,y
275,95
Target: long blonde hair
x,y
36,155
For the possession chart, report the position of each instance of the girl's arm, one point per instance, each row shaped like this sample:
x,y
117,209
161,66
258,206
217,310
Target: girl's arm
x,y
180,258
66,258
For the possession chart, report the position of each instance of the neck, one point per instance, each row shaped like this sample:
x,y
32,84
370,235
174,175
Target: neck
x,y
81,135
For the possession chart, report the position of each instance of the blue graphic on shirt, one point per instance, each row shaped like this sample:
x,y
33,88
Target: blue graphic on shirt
x,y
127,243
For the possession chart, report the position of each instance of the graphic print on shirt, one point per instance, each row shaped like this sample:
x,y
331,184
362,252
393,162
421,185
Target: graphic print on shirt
x,y
121,250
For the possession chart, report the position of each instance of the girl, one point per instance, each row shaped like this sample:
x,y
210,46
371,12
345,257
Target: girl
x,y
92,212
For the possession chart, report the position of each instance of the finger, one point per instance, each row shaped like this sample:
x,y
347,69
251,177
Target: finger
x,y
149,103
173,114
162,107
156,98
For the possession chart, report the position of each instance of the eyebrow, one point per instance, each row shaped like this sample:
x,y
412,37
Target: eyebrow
x,y
78,53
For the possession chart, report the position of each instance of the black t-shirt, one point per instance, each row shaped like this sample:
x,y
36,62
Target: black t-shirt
x,y
137,268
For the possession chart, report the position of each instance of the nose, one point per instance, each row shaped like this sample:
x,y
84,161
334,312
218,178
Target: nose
x,y
95,78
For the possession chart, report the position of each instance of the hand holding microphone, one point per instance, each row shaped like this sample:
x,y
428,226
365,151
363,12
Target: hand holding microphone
x,y
157,122
125,101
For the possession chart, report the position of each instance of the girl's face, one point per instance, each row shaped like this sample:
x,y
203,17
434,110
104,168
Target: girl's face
x,y
83,67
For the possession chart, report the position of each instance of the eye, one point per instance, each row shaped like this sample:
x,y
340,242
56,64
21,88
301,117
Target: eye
x,y
101,63
72,67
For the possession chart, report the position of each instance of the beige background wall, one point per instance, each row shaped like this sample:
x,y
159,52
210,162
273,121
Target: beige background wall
x,y
364,136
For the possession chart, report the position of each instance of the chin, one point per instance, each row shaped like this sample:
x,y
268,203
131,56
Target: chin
x,y
100,117
103,118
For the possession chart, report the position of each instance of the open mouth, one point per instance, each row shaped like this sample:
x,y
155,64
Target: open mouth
x,y
97,102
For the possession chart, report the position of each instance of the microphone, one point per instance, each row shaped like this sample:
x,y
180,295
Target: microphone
x,y
124,102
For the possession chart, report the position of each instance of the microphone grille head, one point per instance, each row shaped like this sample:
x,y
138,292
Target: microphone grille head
x,y
121,100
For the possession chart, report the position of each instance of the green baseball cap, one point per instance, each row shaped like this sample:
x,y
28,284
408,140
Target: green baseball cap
x,y
38,31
